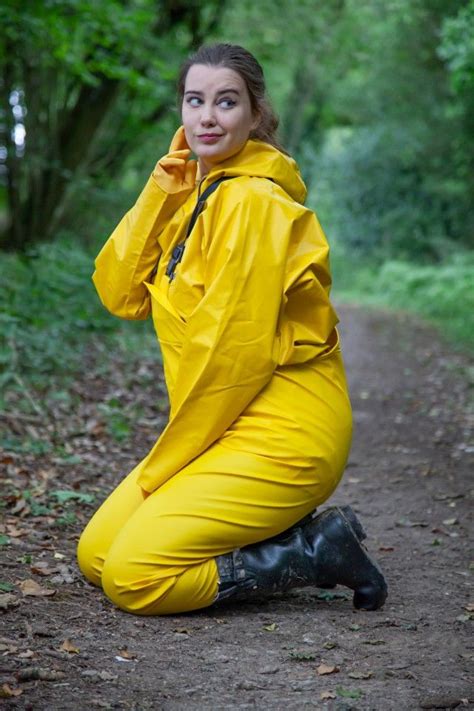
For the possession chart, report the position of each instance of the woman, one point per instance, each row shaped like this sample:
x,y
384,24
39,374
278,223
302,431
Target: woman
x,y
260,422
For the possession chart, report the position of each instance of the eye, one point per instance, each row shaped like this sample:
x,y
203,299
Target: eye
x,y
227,103
194,101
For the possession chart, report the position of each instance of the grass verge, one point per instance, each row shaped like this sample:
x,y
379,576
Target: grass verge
x,y
443,294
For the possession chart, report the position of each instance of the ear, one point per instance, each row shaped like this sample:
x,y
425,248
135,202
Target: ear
x,y
257,117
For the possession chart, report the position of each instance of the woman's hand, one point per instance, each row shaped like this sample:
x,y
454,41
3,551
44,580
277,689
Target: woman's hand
x,y
175,172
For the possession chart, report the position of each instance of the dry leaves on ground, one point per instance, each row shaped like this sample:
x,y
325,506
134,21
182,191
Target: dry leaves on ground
x,y
324,669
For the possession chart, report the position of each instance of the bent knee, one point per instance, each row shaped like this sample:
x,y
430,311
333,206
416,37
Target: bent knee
x,y
156,589
136,587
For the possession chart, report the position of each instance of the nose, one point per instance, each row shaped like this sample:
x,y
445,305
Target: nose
x,y
208,117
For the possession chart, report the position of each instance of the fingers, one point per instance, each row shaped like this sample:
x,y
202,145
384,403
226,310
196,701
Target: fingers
x,y
179,142
176,157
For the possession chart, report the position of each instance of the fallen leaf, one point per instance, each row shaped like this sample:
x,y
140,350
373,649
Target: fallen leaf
x,y
7,692
328,595
326,695
107,676
8,648
8,600
386,549
15,532
330,645
122,659
31,587
270,628
19,506
406,523
447,521
43,569
354,628
34,673
26,655
6,587
125,654
68,646
469,607
59,556
443,497
182,630
324,669
360,674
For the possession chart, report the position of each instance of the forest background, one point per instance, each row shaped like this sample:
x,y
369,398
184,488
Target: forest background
x,y
376,100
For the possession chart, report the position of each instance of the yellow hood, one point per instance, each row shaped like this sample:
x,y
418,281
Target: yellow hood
x,y
261,160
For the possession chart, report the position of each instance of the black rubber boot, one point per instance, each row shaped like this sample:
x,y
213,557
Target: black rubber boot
x,y
324,551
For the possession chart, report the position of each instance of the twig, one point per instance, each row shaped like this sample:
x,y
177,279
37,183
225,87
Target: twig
x,y
19,416
36,407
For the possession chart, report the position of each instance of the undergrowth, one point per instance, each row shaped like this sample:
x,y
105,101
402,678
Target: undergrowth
x,y
52,324
442,293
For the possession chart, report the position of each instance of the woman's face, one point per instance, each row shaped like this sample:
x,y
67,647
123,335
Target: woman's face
x,y
216,113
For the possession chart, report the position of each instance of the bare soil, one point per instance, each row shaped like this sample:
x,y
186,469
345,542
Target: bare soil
x,y
63,645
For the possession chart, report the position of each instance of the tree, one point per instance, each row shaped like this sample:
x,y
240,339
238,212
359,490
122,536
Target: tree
x,y
78,79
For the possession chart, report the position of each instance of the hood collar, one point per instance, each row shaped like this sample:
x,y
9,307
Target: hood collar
x,y
261,160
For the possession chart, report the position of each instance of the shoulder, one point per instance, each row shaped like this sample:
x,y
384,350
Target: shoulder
x,y
263,194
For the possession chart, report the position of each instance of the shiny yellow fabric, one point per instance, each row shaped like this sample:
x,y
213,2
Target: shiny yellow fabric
x,y
259,412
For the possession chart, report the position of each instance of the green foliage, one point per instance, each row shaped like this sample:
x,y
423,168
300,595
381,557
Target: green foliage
x,y
442,293
378,199
349,693
377,105
64,496
81,80
302,656
49,316
6,587
36,508
47,304
119,420
397,161
457,47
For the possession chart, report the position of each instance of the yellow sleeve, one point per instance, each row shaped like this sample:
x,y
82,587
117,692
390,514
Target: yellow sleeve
x,y
229,354
131,253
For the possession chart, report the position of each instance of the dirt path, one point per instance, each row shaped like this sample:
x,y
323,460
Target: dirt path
x,y
407,478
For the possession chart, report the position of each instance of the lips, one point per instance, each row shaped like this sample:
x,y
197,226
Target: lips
x,y
209,137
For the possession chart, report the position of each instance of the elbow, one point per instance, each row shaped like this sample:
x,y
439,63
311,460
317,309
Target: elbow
x,y
119,302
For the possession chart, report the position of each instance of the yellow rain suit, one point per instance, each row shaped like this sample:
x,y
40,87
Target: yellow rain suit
x,y
260,423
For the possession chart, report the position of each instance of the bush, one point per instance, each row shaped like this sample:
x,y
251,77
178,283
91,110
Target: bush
x,y
386,197
50,313
441,293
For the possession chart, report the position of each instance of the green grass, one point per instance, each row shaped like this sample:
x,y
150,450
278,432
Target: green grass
x,y
443,294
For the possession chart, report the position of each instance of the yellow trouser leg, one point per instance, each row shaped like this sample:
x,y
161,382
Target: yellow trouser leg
x,y
156,556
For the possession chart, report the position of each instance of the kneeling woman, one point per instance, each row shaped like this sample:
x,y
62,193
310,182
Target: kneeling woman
x,y
234,270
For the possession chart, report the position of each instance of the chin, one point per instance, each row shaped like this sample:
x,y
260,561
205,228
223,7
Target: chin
x,y
215,157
